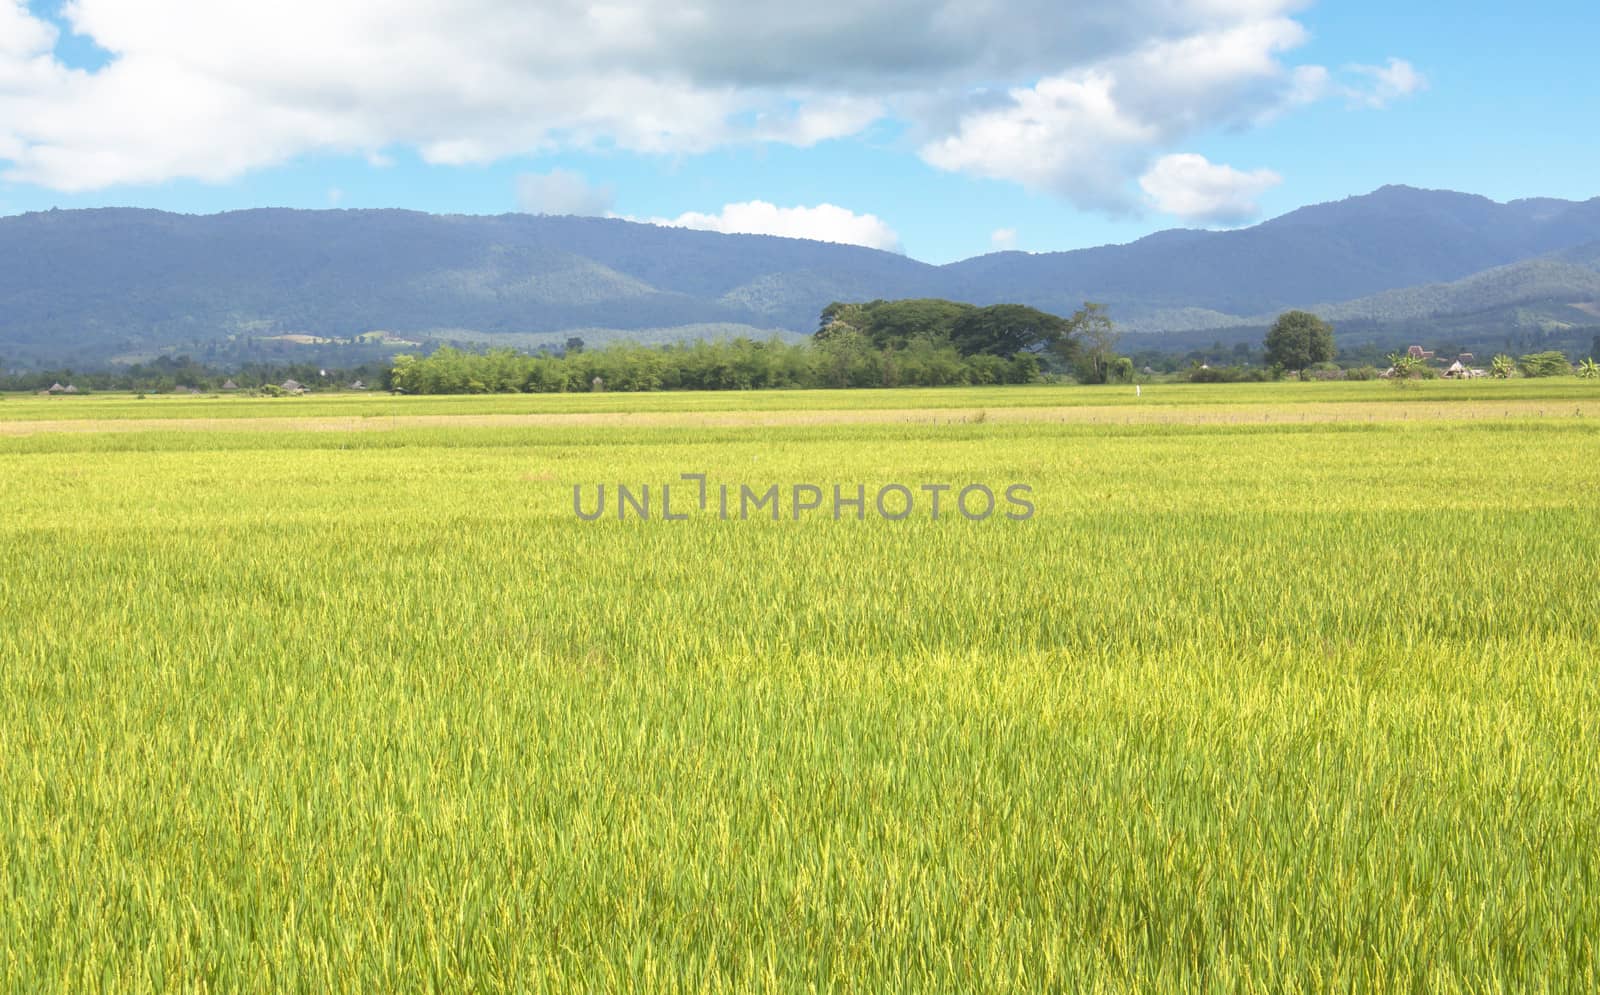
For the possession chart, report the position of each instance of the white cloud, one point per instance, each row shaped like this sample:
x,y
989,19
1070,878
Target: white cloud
x,y
1004,239
562,191
1386,83
818,120
1081,135
335,196
1308,85
823,223
1076,96
1195,189
1065,136
22,34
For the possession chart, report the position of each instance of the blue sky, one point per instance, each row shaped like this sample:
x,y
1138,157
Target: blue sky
x,y
1030,124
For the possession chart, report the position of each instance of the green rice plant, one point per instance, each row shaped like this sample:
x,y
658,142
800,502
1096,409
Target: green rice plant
x,y
1256,702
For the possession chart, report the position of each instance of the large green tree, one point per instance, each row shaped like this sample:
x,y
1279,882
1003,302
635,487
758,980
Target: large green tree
x,y
1087,338
1007,329
895,324
1095,343
1299,339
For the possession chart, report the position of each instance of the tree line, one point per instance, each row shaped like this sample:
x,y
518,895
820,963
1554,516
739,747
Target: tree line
x,y
168,373
737,364
918,342
925,343
1303,343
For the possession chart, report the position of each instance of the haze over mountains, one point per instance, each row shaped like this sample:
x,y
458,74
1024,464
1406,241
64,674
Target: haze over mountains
x,y
96,286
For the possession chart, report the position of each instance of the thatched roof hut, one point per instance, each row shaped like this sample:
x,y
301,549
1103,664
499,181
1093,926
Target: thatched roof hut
x,y
229,385
293,386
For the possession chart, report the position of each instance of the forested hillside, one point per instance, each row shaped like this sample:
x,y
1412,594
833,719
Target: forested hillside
x,y
107,285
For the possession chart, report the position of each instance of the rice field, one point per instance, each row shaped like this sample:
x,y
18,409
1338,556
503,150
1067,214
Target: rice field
x,y
1283,688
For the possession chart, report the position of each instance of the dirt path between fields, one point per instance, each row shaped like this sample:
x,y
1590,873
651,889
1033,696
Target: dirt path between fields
x,y
1121,414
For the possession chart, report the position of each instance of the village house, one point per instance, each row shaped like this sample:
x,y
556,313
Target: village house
x,y
1460,371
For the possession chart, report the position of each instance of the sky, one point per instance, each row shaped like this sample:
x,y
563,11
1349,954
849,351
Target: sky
x,y
942,129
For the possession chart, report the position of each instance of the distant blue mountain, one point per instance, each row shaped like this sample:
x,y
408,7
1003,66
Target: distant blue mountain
x,y
94,285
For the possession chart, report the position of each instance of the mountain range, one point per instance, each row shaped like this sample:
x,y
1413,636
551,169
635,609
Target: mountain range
x,y
114,284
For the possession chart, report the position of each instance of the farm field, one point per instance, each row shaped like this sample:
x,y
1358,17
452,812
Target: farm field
x,y
1283,688
1292,397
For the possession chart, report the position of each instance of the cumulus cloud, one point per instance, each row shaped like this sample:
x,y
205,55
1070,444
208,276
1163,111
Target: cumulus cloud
x,y
1004,239
1081,135
1196,189
823,223
1065,136
1072,96
562,191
